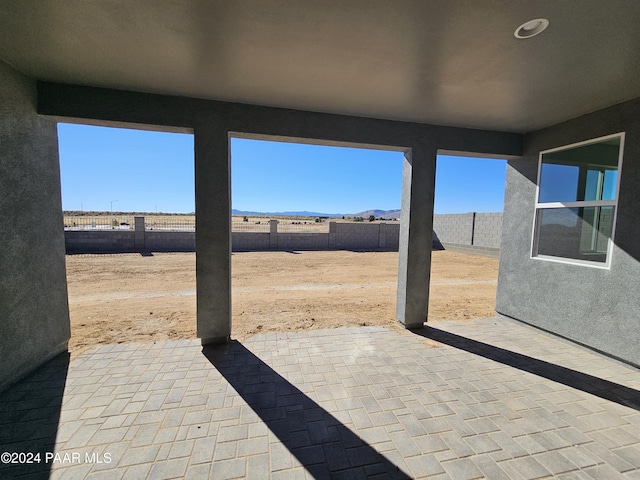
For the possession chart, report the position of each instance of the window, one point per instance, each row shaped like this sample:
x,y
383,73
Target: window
x,y
577,201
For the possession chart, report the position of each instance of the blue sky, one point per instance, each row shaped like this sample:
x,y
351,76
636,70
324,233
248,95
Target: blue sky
x,y
146,171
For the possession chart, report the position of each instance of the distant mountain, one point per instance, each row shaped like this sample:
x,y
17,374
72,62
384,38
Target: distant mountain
x,y
365,214
378,213
287,214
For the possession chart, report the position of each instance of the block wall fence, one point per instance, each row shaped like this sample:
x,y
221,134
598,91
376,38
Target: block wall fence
x,y
480,230
471,230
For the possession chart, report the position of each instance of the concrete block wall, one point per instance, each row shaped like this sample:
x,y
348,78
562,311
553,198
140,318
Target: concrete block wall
x,y
391,233
303,241
357,236
487,231
455,228
170,241
242,241
78,241
480,230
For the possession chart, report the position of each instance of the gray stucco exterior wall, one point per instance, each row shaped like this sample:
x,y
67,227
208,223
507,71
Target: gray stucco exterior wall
x,y
34,316
599,308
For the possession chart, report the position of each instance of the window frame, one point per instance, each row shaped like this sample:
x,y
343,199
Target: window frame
x,y
538,206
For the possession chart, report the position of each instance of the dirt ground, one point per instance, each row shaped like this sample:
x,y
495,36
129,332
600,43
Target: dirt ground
x,y
132,298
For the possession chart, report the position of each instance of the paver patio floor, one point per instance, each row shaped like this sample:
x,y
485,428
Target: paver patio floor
x,y
485,398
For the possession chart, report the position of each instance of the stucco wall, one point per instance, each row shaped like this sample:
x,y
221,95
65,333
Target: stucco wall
x,y
34,317
597,307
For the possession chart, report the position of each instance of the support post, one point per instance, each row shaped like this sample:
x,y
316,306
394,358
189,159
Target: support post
x,y
416,236
273,234
213,233
332,235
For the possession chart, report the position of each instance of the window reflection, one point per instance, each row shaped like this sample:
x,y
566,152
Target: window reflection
x,y
577,233
589,172
575,212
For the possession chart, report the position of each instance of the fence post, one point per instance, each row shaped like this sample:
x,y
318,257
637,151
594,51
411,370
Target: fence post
x,y
473,227
139,240
273,234
332,235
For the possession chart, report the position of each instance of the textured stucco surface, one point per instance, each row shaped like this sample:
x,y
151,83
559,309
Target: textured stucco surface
x,y
213,233
34,316
596,307
416,236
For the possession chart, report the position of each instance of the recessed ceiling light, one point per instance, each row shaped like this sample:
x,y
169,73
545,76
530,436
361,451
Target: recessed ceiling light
x,y
531,28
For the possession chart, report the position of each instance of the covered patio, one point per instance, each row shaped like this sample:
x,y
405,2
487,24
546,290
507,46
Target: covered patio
x,y
462,400
488,398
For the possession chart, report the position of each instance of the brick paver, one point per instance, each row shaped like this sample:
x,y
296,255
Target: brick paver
x,y
480,399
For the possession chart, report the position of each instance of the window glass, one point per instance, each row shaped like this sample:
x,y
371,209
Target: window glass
x,y
610,182
558,183
575,212
585,173
576,233
593,187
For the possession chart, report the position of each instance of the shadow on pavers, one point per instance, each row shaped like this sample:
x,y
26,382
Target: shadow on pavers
x,y
29,418
320,442
600,387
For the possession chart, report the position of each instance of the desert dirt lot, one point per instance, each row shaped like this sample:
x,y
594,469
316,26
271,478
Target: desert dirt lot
x,y
132,298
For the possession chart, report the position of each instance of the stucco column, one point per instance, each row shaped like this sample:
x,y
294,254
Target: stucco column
x,y
332,235
213,233
416,236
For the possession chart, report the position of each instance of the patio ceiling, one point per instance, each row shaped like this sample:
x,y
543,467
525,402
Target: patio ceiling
x,y
442,62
